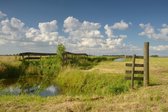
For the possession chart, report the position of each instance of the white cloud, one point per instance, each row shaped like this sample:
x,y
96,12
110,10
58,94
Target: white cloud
x,y
2,41
48,26
108,30
114,42
80,35
116,26
87,42
2,14
150,32
160,48
32,33
83,34
86,29
71,24
120,25
16,23
12,29
87,34
46,33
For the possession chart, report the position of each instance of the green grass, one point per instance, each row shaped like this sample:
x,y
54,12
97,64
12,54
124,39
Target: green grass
x,y
151,99
90,90
75,82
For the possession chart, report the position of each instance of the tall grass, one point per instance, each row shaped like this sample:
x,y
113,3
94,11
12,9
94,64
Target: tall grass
x,y
75,82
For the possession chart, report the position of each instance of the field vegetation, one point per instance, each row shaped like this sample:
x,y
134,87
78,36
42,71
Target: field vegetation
x,y
94,84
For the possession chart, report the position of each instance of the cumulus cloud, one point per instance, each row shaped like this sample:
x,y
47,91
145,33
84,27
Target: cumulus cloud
x,y
12,29
108,30
71,24
160,48
116,26
2,14
79,35
113,40
48,26
120,25
151,32
87,34
111,43
84,34
45,33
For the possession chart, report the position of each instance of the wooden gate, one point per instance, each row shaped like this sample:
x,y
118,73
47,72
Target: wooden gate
x,y
134,65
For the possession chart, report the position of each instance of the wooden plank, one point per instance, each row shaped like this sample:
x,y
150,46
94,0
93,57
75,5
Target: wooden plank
x,y
135,72
32,58
135,78
136,65
78,54
128,64
139,65
36,54
137,57
128,56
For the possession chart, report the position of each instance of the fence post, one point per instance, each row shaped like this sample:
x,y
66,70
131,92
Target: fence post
x,y
133,69
146,63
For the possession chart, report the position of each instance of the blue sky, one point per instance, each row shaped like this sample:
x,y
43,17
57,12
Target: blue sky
x,y
80,25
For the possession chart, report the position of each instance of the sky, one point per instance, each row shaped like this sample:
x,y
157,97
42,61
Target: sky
x,y
96,27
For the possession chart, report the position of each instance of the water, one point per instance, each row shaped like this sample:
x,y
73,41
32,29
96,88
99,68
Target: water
x,y
119,60
11,90
49,91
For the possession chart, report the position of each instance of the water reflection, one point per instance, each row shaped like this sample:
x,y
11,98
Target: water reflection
x,y
119,60
49,91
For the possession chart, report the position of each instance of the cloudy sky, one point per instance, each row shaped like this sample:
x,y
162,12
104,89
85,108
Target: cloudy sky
x,y
92,26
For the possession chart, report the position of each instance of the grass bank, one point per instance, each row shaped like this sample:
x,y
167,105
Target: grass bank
x,y
98,98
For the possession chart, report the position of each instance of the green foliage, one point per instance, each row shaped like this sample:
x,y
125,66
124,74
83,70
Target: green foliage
x,y
60,53
154,55
82,63
76,82
119,86
89,62
9,71
49,68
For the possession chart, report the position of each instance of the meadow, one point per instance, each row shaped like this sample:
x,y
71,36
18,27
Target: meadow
x,y
101,87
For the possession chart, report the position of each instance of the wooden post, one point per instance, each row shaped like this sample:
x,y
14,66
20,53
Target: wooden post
x,y
133,70
23,57
146,63
28,57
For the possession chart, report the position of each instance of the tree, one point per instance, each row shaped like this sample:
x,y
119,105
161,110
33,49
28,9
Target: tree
x,y
60,53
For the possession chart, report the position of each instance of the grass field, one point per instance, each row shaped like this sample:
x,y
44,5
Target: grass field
x,y
90,90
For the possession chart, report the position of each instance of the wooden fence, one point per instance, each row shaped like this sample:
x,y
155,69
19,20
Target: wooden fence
x,y
133,65
26,56
33,55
